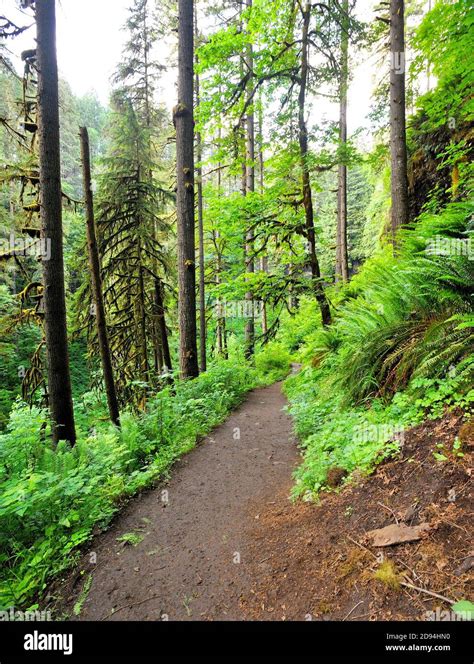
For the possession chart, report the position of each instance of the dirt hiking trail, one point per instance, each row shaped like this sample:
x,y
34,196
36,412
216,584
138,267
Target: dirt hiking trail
x,y
224,542
191,561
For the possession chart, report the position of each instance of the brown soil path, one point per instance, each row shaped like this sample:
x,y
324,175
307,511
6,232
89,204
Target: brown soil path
x,y
193,561
313,561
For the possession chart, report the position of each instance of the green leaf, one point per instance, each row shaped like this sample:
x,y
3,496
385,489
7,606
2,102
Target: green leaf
x,y
465,608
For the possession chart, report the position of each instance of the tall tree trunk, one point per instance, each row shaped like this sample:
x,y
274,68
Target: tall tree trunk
x,y
261,162
221,321
220,325
96,282
141,316
160,333
342,267
249,189
163,332
306,181
264,268
158,351
59,380
183,116
202,281
141,301
398,142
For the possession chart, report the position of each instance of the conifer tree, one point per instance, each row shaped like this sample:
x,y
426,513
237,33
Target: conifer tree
x,y
133,240
59,380
137,77
183,117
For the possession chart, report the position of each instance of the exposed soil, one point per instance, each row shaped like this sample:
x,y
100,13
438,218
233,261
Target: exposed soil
x,y
229,544
187,565
315,562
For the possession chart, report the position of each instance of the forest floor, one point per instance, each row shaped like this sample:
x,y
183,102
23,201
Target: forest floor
x,y
187,565
226,543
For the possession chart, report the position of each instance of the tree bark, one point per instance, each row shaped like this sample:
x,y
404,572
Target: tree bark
x,y
398,142
59,380
158,351
306,181
220,324
200,208
261,161
160,332
249,189
221,333
342,267
183,116
162,329
142,335
96,282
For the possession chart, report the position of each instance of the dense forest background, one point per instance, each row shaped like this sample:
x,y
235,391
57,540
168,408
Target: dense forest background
x,y
279,239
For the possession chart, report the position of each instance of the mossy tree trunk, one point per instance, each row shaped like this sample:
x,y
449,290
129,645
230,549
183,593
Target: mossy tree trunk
x,y
96,283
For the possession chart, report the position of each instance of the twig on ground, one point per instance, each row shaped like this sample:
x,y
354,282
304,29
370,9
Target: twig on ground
x,y
427,592
362,546
353,609
389,509
455,525
129,606
414,574
264,560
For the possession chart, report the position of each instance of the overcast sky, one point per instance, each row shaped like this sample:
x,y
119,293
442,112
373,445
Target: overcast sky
x,y
90,40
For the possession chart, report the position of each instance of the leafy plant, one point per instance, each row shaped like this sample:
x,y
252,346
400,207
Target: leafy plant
x,y
83,596
273,362
133,539
465,609
52,500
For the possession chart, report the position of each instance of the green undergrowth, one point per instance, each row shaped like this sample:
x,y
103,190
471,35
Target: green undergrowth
x,y
400,349
273,362
53,501
358,438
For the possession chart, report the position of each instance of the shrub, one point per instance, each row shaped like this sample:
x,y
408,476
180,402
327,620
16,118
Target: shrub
x,y
52,500
335,436
272,363
400,350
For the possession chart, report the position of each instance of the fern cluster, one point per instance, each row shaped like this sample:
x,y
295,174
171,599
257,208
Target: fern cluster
x,y
407,314
52,500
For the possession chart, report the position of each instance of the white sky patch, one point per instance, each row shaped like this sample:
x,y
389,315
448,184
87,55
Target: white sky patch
x,y
90,41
